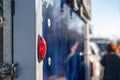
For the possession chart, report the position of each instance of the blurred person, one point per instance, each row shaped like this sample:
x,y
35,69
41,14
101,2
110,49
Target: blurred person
x,y
111,63
73,47
117,50
74,65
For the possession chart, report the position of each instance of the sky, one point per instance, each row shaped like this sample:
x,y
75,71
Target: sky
x,y
105,18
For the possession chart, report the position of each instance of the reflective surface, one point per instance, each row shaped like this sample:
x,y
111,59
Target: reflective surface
x,y
63,34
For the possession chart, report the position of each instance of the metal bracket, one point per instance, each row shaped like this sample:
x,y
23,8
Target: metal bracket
x,y
13,7
1,20
6,69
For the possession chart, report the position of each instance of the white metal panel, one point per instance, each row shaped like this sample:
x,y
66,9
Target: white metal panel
x,y
25,40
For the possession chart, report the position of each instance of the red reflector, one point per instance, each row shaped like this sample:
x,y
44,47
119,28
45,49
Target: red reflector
x,y
91,70
42,48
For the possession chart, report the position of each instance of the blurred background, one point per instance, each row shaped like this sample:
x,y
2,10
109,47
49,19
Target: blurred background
x,y
106,19
64,31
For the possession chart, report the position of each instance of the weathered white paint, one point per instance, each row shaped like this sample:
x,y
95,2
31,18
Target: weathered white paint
x,y
7,39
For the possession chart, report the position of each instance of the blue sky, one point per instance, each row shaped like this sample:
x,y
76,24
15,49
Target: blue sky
x,y
106,18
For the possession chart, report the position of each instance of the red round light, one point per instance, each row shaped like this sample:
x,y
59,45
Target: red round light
x,y
42,48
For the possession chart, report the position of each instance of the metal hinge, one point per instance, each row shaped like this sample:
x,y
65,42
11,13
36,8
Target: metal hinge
x,y
13,7
1,21
6,69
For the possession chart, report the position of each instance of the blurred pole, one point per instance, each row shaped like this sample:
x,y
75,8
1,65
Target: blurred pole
x,y
86,51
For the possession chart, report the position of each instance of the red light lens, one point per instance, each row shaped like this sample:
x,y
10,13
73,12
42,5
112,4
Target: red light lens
x,y
91,69
42,48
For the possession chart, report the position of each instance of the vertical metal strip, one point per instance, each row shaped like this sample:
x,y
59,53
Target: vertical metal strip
x,y
86,51
39,66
